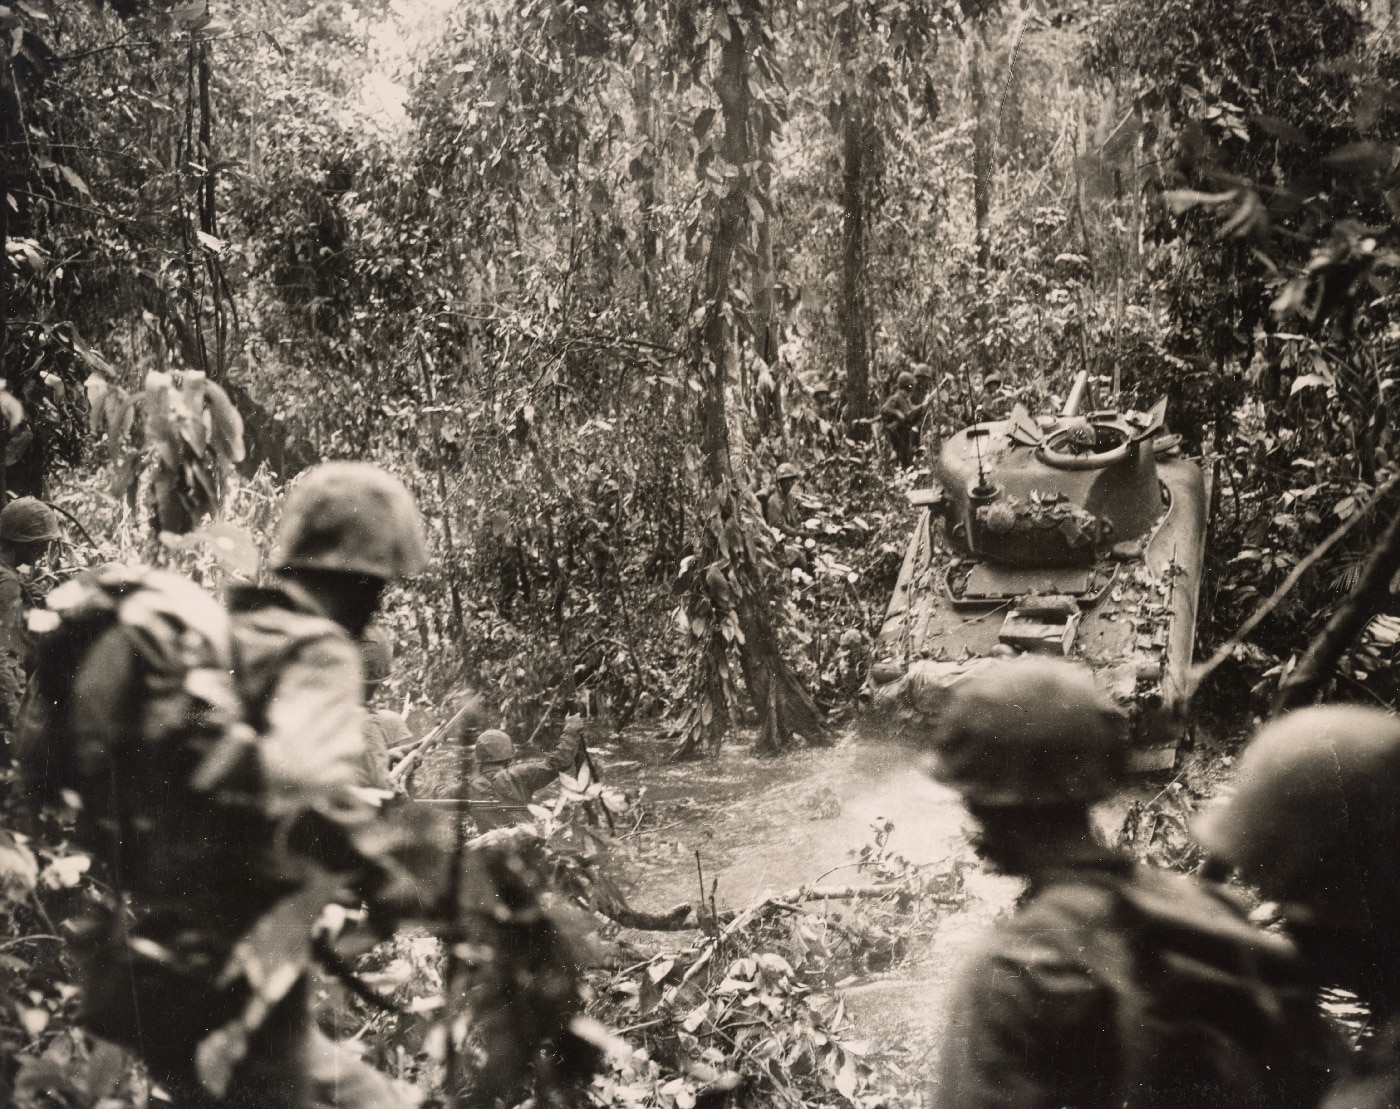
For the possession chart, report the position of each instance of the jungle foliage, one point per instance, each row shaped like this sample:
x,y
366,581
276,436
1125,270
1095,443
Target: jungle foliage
x,y
586,273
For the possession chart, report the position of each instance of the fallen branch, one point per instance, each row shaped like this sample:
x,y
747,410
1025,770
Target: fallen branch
x,y
674,920
38,937
1201,672
1366,601
777,901
839,893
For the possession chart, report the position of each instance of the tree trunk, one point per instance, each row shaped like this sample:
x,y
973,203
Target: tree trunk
x,y
767,393
783,706
5,245
208,213
11,135
644,173
983,139
765,312
1370,596
854,311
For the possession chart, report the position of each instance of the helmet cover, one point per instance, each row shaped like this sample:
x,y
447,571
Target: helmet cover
x,y
354,518
28,520
1031,731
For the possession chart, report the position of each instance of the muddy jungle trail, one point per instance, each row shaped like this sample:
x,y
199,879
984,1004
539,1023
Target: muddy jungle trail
x,y
833,895
828,898
868,862
838,894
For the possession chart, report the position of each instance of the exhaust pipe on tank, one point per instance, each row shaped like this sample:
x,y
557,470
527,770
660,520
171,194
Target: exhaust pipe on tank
x,y
1077,392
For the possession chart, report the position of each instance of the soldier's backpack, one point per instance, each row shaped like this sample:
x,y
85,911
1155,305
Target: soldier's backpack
x,y
140,710
133,695
1208,1009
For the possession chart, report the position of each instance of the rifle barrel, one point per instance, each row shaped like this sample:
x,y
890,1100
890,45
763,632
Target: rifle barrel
x,y
417,749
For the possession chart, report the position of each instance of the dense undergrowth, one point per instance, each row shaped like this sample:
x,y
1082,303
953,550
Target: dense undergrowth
x,y
585,307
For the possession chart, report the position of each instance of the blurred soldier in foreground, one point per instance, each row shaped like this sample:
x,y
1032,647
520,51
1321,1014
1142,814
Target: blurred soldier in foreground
x,y
901,417
28,528
502,788
218,760
1314,823
384,728
347,531
1114,984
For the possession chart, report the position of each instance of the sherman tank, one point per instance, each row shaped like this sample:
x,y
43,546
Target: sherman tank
x,y
1080,534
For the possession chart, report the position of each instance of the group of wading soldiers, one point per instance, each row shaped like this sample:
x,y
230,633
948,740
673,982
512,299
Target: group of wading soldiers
x,y
217,753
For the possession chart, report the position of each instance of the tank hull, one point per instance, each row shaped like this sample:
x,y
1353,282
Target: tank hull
x,y
1126,609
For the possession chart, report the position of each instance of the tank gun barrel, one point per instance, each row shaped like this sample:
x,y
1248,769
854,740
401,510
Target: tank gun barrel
x,y
1077,392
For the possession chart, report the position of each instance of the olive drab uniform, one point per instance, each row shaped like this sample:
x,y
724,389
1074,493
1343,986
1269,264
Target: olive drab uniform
x,y
14,648
215,757
301,683
1311,824
27,527
900,417
778,510
500,794
1115,986
1121,987
384,729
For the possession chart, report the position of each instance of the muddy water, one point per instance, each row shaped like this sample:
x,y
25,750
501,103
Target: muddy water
x,y
767,826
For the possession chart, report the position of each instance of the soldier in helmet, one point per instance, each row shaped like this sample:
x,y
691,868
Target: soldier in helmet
x,y
901,419
348,530
1114,984
384,728
826,406
230,1024
780,510
28,528
780,513
502,788
923,382
1313,824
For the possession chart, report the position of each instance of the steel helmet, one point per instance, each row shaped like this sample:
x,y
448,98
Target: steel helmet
x,y
28,520
376,656
351,517
494,745
906,380
787,472
1031,731
1315,817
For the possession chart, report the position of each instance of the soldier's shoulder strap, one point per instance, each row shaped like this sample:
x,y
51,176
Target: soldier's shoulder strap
x,y
1181,957
265,638
1203,919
